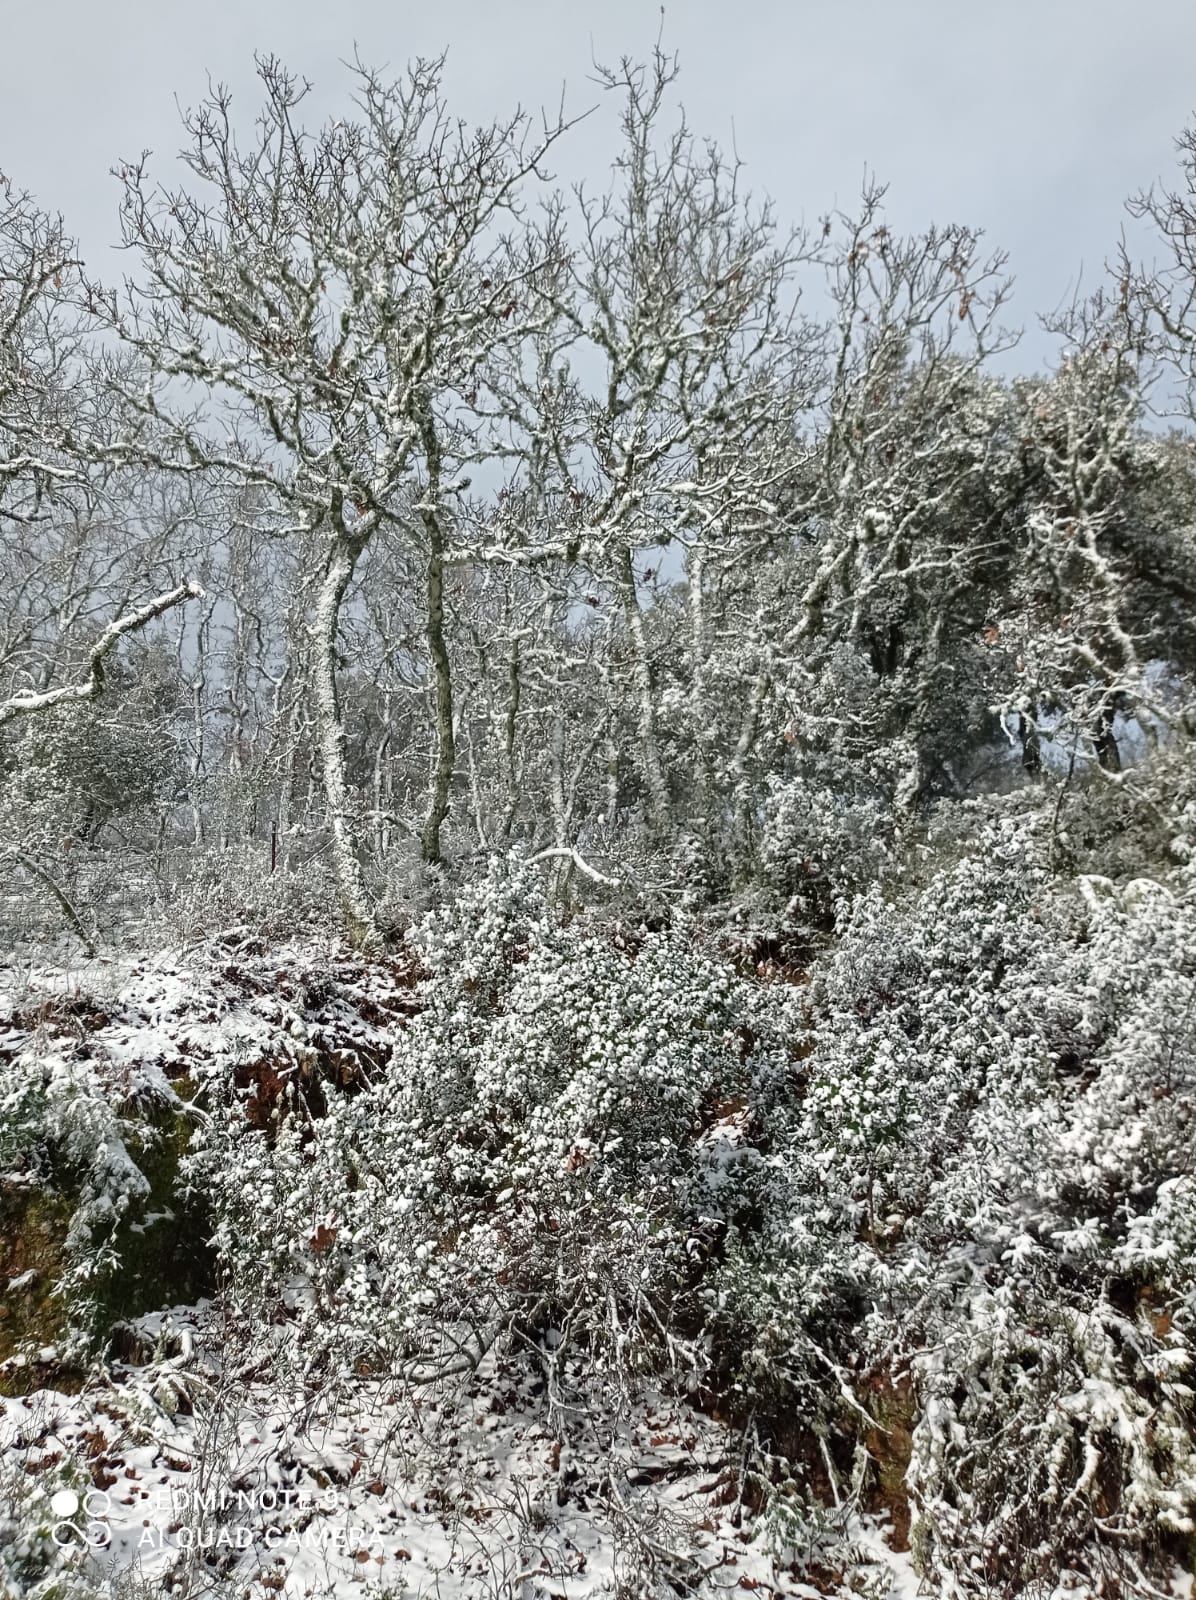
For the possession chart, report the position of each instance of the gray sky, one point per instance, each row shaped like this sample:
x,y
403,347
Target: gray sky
x,y
1031,118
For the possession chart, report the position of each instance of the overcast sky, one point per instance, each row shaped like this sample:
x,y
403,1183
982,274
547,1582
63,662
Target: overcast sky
x,y
1031,118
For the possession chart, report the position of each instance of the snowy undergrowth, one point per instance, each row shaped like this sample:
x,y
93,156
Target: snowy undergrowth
x,y
915,1237
223,1483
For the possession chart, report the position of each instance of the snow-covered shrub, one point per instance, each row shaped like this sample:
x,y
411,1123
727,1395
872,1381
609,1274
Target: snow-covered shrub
x,y
824,837
982,1182
1160,1244
1069,1356
1142,823
60,1131
1132,1122
905,1024
226,889
1003,1077
546,1161
1055,1424
33,1565
90,1134
81,790
67,774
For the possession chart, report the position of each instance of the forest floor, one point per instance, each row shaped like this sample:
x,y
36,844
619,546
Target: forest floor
x,y
199,1479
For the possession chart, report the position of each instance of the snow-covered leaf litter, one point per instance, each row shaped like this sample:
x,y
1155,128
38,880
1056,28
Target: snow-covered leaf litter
x,y
468,1494
605,1159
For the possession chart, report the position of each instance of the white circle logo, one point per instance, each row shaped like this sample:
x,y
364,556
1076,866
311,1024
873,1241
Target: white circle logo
x,y
96,1504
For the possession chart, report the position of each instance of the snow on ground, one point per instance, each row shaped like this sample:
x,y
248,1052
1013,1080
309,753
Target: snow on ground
x,y
197,1480
142,1024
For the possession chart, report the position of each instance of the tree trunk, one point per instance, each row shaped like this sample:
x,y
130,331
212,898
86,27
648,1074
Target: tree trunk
x,y
741,788
446,752
1031,744
381,788
699,710
653,772
510,736
1107,752
330,737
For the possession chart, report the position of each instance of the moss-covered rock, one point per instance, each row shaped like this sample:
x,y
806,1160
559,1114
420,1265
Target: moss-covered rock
x,y
161,1246
33,1228
162,1243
